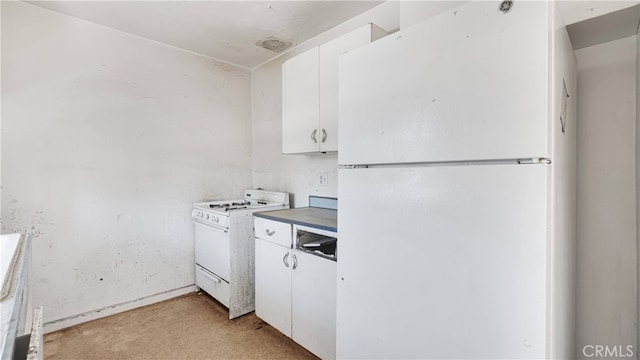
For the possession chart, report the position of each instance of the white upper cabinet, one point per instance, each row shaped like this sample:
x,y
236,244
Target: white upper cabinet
x,y
300,103
310,93
469,84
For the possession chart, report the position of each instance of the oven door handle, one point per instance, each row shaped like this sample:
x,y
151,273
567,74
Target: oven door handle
x,y
219,228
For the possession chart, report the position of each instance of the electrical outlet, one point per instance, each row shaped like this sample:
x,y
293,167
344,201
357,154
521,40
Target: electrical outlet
x,y
324,179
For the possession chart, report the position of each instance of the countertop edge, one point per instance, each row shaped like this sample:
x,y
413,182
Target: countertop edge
x,y
268,216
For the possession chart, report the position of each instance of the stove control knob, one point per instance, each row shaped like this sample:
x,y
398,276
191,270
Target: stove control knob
x,y
207,216
216,219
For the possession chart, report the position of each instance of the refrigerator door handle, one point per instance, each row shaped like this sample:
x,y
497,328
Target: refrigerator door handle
x,y
534,161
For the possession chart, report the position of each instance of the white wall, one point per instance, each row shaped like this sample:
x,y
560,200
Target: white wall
x,y
298,174
607,259
413,12
638,187
107,140
562,247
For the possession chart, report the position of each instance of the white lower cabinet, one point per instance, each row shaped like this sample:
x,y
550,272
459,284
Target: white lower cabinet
x,y
296,294
273,285
314,304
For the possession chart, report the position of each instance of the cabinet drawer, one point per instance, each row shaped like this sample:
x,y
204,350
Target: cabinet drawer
x,y
274,231
213,285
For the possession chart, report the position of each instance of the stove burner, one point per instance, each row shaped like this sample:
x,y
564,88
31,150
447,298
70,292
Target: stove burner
x,y
234,208
230,206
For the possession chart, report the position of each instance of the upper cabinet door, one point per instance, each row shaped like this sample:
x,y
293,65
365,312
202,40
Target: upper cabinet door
x,y
300,103
468,84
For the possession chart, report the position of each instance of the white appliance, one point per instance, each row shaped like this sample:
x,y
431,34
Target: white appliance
x,y
457,188
224,247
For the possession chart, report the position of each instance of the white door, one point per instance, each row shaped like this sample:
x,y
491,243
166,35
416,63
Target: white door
x,y
314,304
468,84
300,103
273,285
212,249
442,262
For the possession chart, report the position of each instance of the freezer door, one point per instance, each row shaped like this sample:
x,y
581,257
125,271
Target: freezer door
x,y
442,262
468,84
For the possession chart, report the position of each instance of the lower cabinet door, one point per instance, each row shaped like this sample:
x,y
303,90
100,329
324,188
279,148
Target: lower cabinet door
x,y
314,303
273,285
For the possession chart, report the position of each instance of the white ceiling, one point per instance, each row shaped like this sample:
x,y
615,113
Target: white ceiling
x,y
225,30
612,26
574,11
229,30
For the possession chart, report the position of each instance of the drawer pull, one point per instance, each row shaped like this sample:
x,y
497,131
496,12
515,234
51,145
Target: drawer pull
x,y
212,277
269,232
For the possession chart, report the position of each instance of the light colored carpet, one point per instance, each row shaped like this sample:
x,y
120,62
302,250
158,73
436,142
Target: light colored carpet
x,y
192,326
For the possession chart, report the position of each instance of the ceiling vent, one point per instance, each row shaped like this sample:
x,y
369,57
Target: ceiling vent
x,y
274,44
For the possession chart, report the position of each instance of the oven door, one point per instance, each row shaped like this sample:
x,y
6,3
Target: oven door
x,y
212,249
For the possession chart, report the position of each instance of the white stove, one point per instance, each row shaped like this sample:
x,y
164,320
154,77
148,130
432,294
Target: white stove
x,y
217,212
224,247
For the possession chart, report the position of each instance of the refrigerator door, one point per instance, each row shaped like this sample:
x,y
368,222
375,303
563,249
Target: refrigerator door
x,y
452,266
468,84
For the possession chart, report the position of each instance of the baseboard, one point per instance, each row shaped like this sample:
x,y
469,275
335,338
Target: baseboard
x,y
59,324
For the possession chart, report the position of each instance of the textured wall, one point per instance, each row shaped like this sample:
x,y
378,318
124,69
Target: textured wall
x,y
638,183
607,262
107,140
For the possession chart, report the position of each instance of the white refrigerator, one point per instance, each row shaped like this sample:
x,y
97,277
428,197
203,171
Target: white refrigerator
x,y
456,223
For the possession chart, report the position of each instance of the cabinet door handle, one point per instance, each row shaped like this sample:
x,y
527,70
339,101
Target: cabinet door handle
x,y
295,262
269,233
324,135
313,135
284,259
